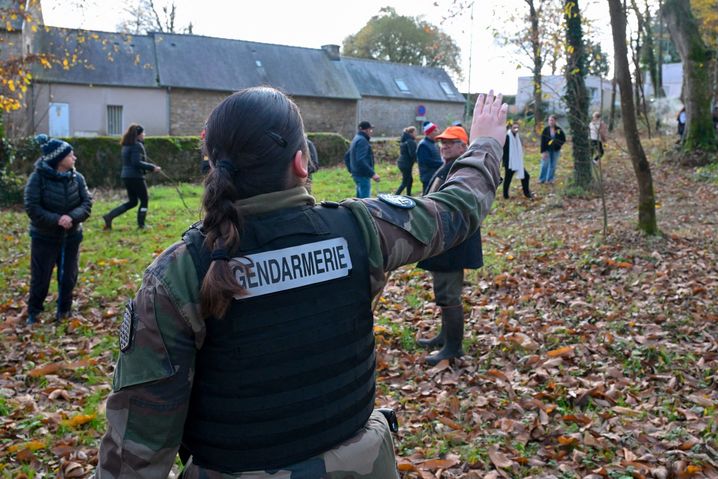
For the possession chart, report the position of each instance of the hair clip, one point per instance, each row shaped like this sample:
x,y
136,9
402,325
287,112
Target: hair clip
x,y
227,165
277,138
219,254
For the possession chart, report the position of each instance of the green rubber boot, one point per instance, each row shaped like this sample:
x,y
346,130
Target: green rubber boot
x,y
453,327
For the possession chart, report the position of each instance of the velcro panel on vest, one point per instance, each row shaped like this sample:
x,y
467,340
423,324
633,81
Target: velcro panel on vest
x,y
285,376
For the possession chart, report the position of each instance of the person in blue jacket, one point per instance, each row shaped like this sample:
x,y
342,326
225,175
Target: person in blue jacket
x,y
57,202
427,155
359,160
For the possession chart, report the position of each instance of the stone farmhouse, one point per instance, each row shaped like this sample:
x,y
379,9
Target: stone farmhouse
x,y
169,83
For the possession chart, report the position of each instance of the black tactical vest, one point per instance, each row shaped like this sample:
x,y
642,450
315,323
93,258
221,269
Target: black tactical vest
x,y
286,375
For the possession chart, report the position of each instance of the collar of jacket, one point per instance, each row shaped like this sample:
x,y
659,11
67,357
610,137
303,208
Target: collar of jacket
x,y
257,205
49,172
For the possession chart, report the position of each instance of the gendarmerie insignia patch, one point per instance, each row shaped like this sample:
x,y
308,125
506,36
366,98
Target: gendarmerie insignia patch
x,y
397,200
127,329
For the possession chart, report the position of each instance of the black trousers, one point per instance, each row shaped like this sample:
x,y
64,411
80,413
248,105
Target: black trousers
x,y
136,190
44,256
406,181
509,174
596,150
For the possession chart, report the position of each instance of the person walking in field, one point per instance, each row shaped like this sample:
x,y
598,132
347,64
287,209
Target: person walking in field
x,y
552,139
427,155
359,160
134,167
598,134
407,158
513,161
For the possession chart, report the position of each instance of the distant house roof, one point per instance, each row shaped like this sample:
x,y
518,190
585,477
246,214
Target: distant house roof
x,y
191,61
8,9
98,58
218,64
398,80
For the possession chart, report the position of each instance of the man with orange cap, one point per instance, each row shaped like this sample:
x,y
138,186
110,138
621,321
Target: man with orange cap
x,y
447,269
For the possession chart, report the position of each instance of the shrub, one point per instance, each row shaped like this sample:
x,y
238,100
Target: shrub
x,y
330,148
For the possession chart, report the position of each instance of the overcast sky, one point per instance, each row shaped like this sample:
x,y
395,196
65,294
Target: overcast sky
x,y
312,23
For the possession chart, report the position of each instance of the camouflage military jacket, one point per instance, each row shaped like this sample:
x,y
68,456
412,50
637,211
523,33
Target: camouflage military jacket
x,y
154,374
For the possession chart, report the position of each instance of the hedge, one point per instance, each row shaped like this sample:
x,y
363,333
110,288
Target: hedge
x,y
98,158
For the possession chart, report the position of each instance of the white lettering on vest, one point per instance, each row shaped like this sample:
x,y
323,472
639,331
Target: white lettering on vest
x,y
289,268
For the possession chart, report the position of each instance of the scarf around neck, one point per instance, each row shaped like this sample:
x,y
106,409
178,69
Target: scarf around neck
x,y
516,155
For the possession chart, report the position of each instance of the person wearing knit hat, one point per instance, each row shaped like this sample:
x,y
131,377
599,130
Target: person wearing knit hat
x,y
134,167
57,202
427,154
447,269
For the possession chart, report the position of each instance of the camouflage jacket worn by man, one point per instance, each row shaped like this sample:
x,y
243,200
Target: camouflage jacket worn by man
x,y
153,379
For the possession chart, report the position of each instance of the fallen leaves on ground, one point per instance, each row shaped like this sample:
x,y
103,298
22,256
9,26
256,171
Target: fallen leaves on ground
x,y
585,357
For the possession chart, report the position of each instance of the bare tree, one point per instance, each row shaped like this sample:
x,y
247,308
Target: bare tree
x,y
646,197
149,16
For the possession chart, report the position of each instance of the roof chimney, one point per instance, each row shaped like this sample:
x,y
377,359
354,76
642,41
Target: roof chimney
x,y
332,52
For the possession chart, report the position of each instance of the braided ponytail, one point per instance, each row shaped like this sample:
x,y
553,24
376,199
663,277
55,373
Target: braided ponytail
x,y
221,224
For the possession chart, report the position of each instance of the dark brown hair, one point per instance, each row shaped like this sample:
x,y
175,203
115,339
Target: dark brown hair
x,y
251,138
130,136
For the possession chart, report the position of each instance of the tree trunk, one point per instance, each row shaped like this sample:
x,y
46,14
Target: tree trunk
x,y
646,197
698,64
650,45
537,66
659,67
612,115
576,95
641,105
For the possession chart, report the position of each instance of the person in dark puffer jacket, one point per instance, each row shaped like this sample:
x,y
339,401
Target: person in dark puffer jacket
x,y
57,202
407,158
134,167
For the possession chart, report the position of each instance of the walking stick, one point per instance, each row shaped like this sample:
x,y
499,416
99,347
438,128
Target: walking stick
x,y
175,184
179,192
61,273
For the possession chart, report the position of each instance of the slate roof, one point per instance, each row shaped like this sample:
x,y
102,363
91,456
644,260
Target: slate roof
x,y
206,63
100,58
7,9
378,78
218,64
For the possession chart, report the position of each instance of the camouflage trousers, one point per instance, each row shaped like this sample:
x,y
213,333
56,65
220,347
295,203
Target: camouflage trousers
x,y
367,455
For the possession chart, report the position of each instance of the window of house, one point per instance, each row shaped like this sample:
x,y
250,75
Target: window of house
x,y
447,88
401,85
114,120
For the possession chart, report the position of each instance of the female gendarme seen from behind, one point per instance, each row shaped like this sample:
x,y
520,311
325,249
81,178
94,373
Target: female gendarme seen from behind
x,y
57,202
134,167
249,348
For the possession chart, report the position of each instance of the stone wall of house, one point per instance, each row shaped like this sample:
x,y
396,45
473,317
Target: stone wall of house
x,y
190,108
328,115
390,116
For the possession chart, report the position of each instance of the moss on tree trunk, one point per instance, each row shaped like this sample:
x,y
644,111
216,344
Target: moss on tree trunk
x,y
698,64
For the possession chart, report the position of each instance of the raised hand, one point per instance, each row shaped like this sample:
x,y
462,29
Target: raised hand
x,y
489,117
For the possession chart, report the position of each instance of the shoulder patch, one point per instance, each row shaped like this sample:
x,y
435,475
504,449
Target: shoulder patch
x,y
127,329
399,201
